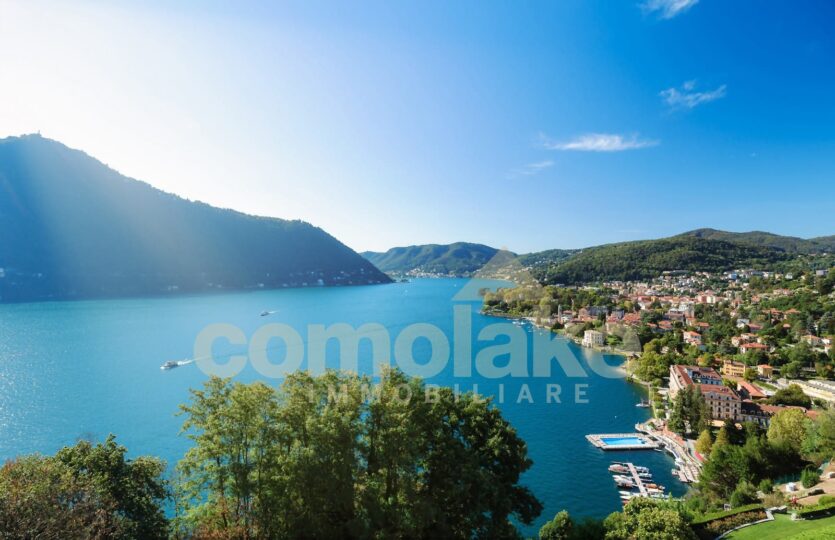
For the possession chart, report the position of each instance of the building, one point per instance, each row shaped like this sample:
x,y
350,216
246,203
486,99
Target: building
x,y
761,413
733,369
722,402
748,347
747,390
593,338
683,376
764,370
693,338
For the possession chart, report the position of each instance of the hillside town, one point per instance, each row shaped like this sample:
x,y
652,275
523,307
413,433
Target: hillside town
x,y
740,361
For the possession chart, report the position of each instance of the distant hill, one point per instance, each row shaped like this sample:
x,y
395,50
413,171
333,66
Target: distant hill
x,y
789,244
547,258
70,227
459,259
649,258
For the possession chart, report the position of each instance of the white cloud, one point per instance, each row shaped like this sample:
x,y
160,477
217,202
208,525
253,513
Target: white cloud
x,y
601,142
687,97
532,169
667,9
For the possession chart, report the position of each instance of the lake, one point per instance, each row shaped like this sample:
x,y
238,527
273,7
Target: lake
x,y
71,370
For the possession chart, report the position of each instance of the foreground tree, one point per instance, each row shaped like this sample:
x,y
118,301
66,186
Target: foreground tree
x,y
789,427
647,519
335,457
85,491
705,442
559,528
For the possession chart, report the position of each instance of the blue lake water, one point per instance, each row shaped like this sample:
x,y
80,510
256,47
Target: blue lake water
x,y
71,370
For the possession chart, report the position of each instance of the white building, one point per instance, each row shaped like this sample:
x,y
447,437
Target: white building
x,y
592,338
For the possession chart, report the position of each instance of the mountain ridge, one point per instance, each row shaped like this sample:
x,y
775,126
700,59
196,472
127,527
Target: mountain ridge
x,y
457,258
72,227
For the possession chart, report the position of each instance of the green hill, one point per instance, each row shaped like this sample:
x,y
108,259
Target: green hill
x,y
70,227
649,258
789,244
458,259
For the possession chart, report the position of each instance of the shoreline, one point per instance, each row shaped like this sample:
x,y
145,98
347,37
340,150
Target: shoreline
x,y
607,349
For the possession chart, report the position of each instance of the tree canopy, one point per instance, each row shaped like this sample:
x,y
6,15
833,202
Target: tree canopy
x,y
337,457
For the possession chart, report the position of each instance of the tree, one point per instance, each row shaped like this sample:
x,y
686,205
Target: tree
x,y
677,415
645,518
559,528
789,427
335,457
84,491
745,493
792,395
704,442
820,436
722,438
810,478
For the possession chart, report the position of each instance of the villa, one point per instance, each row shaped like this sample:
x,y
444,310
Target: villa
x,y
593,338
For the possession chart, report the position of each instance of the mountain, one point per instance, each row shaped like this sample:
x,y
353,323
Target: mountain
x,y
547,258
650,258
71,227
459,259
789,244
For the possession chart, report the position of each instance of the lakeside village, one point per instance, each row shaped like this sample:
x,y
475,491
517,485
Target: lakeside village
x,y
738,367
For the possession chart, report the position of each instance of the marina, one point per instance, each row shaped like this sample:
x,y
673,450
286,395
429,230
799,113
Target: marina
x,y
634,481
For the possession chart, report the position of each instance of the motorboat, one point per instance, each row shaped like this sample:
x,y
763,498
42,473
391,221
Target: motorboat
x,y
171,364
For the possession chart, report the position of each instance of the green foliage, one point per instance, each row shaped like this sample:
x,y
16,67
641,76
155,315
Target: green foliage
x,y
706,518
810,478
745,493
335,457
645,518
788,244
459,259
791,395
756,459
818,510
84,491
559,528
789,427
717,527
649,258
689,411
819,442
705,442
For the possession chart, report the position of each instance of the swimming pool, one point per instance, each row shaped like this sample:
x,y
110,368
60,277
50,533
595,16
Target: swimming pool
x,y
623,441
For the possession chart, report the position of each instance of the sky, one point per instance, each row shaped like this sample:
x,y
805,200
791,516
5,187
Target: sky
x,y
523,125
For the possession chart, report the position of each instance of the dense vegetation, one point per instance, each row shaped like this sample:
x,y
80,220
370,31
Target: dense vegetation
x,y
458,259
304,462
790,244
84,491
72,227
321,457
647,259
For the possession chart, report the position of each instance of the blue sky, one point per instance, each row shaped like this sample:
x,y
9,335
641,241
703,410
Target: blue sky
x,y
525,125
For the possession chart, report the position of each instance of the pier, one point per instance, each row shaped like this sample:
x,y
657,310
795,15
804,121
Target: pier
x,y
636,478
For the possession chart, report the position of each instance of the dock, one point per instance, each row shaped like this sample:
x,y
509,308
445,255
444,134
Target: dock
x,y
639,483
622,441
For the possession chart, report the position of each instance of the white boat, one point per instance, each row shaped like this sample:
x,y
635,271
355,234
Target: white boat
x,y
171,364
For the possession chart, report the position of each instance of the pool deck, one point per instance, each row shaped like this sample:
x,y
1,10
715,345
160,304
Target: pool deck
x,y
597,441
